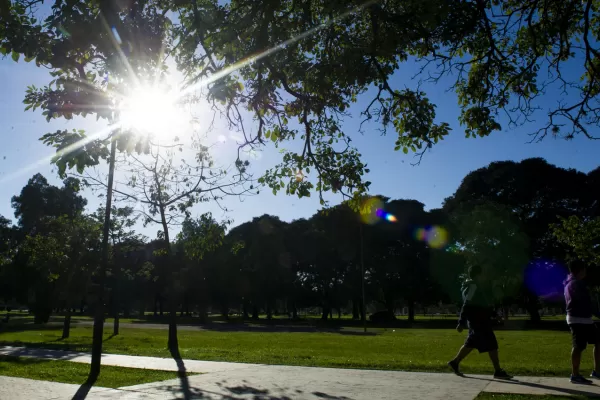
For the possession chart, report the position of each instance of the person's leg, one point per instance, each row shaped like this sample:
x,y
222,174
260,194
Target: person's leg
x,y
595,340
470,344
495,359
596,357
575,361
462,354
579,339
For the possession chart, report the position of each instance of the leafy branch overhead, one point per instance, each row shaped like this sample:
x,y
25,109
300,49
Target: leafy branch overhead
x,y
290,72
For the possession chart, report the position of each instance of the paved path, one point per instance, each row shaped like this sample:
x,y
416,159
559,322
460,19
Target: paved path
x,y
236,381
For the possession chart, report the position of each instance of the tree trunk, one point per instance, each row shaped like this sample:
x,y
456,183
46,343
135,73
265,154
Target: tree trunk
x,y
225,310
67,324
294,311
269,311
254,312
534,313
115,299
411,311
339,313
325,313
173,342
389,304
245,314
355,309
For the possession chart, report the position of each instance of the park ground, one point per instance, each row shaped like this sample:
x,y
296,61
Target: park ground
x,y
526,352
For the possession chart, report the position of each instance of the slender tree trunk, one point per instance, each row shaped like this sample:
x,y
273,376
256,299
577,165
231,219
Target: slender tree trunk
x,y
389,304
98,330
355,309
325,313
116,299
67,324
294,311
225,310
411,311
254,312
245,314
269,311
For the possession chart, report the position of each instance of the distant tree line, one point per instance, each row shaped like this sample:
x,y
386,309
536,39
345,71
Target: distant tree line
x,y
505,217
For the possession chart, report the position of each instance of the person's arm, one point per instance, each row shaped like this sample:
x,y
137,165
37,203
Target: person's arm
x,y
464,311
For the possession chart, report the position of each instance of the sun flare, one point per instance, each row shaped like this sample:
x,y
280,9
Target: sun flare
x,y
153,110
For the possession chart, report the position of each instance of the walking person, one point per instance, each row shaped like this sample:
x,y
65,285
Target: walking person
x,y
476,314
579,318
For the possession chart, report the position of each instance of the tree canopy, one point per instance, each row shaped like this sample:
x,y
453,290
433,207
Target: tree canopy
x,y
291,71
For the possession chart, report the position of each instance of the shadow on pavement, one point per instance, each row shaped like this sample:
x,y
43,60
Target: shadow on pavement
x,y
246,392
182,374
580,391
39,353
83,390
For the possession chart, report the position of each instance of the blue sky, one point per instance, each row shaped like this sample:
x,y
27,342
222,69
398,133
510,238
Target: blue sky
x,y
441,171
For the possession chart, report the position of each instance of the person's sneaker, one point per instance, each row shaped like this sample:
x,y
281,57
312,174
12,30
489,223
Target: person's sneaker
x,y
580,380
454,365
595,375
502,374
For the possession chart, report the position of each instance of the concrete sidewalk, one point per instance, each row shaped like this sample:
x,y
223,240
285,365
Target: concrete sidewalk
x,y
235,381
157,363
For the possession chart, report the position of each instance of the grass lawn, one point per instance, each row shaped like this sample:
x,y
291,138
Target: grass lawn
x,y
530,352
72,372
495,396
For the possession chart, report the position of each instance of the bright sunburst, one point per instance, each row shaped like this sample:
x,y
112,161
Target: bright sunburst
x,y
153,110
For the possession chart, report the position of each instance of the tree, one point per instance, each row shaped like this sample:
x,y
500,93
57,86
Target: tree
x,y
64,256
10,239
399,267
164,189
199,239
490,237
582,236
531,193
38,200
39,208
312,61
123,239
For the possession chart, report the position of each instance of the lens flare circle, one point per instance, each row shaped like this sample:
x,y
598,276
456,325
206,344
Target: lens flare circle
x,y
371,210
545,278
435,236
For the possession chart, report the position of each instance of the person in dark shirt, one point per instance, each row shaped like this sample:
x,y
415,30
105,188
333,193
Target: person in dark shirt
x,y
476,314
579,319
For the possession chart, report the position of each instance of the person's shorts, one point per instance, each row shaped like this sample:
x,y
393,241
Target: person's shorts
x,y
482,339
584,334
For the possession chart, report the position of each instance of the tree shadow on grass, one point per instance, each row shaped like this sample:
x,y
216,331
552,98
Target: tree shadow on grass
x,y
580,391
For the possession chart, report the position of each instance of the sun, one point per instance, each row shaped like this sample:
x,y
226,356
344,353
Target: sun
x,y
153,110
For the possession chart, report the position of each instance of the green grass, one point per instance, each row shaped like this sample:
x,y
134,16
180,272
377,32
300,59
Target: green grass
x,y
544,353
496,396
72,372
